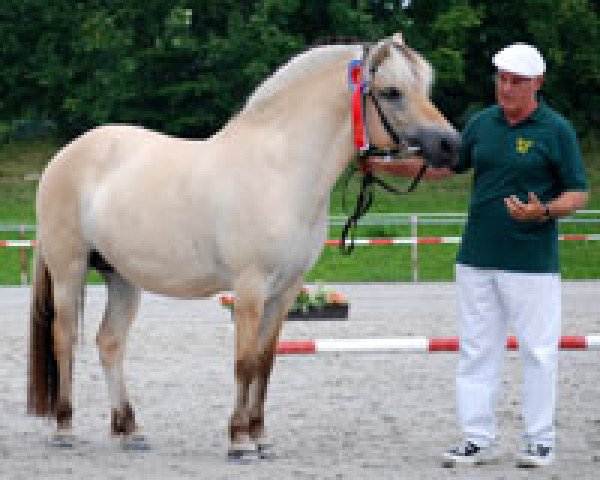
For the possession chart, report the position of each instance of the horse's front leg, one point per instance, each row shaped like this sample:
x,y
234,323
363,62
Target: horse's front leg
x,y
270,328
247,315
258,394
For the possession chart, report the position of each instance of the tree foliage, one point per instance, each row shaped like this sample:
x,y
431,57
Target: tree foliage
x,y
186,66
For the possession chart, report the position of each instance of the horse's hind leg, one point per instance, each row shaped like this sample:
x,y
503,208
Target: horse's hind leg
x,y
67,287
121,308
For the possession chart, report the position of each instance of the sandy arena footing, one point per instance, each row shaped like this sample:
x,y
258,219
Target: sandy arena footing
x,y
335,416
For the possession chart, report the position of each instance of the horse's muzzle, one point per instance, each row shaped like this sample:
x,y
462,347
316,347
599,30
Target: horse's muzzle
x,y
439,146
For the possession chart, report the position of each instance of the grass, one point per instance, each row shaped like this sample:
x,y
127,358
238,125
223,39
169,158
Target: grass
x,y
580,260
17,160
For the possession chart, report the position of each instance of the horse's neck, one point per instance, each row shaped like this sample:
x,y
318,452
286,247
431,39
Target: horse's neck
x,y
311,124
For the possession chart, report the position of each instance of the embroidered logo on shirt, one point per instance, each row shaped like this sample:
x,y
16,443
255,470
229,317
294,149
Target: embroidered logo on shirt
x,y
523,145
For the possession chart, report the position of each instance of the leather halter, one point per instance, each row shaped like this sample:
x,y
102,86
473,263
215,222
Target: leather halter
x,y
360,84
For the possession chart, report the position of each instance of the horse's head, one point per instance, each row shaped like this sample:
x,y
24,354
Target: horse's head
x,y
400,81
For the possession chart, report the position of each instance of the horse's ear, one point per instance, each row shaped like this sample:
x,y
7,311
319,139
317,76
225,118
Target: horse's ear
x,y
398,38
379,56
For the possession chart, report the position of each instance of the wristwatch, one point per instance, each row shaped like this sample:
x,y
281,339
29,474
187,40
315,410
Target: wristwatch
x,y
546,215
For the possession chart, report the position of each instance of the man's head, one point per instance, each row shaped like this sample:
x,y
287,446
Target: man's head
x,y
520,68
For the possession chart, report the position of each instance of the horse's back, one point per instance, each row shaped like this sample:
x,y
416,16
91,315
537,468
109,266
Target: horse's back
x,y
101,149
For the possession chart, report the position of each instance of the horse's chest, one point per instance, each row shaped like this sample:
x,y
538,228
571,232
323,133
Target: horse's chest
x,y
301,250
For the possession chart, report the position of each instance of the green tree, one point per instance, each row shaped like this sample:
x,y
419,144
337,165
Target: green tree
x,y
186,66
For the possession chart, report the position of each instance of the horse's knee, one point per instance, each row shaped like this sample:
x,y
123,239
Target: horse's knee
x,y
246,367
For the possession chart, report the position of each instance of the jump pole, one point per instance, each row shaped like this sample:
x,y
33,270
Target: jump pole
x,y
411,345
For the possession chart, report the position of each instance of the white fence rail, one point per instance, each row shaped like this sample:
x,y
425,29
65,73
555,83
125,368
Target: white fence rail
x,y
423,218
373,219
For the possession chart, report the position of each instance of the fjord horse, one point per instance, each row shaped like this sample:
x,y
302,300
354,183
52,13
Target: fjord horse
x,y
244,210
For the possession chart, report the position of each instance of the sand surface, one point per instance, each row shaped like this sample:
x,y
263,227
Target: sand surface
x,y
338,416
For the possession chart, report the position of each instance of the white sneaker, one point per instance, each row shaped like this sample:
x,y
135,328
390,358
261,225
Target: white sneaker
x,y
535,456
471,454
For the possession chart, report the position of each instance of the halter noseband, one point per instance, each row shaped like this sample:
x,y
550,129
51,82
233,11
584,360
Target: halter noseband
x,y
360,83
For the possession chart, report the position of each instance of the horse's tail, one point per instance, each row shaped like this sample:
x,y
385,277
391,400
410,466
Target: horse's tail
x,y
43,373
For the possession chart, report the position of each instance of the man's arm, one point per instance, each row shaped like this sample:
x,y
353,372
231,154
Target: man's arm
x,y
408,167
565,204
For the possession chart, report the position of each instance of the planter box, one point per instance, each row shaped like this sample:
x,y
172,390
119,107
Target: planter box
x,y
327,312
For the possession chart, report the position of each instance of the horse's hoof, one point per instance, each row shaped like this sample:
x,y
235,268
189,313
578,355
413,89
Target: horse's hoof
x,y
243,454
62,440
266,451
135,442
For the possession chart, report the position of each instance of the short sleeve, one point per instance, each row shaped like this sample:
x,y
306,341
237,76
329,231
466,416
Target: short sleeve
x,y
465,160
568,161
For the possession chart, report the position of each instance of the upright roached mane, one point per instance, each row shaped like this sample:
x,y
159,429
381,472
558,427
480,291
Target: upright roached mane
x,y
245,211
411,66
300,66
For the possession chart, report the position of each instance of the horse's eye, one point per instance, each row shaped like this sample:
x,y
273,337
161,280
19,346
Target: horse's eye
x,y
391,93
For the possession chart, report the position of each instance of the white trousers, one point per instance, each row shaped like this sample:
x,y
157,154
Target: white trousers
x,y
487,300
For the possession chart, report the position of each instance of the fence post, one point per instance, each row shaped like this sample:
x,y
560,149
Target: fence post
x,y
414,246
23,257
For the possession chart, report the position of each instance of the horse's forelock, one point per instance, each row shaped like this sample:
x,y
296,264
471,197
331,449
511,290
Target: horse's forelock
x,y
405,63
420,70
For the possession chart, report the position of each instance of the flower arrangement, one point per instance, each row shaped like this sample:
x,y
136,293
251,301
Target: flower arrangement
x,y
318,298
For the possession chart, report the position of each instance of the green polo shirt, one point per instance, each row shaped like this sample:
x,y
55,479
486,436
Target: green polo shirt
x,y
539,154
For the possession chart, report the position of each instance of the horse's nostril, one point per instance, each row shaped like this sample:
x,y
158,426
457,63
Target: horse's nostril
x,y
446,146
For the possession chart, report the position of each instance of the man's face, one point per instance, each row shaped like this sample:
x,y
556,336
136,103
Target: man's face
x,y
515,93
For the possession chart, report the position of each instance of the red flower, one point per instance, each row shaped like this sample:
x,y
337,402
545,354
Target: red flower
x,y
337,298
227,300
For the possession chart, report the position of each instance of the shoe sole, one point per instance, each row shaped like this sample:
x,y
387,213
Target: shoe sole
x,y
529,463
452,462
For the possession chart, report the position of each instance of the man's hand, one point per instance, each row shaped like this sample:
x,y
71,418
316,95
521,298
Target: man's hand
x,y
534,210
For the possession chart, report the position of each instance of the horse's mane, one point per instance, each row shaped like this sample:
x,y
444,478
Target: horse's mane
x,y
415,68
296,68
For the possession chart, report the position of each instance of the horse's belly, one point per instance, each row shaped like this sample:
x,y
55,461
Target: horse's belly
x,y
167,279
155,252
162,269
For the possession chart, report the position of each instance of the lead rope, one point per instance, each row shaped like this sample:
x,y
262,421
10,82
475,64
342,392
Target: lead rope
x,y
363,203
365,200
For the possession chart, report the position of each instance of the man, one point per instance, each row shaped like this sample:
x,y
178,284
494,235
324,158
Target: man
x,y
527,173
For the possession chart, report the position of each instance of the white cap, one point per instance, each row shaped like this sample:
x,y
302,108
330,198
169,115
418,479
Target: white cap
x,y
521,59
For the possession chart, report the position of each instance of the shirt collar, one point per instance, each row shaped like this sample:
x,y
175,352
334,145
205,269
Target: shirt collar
x,y
533,117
